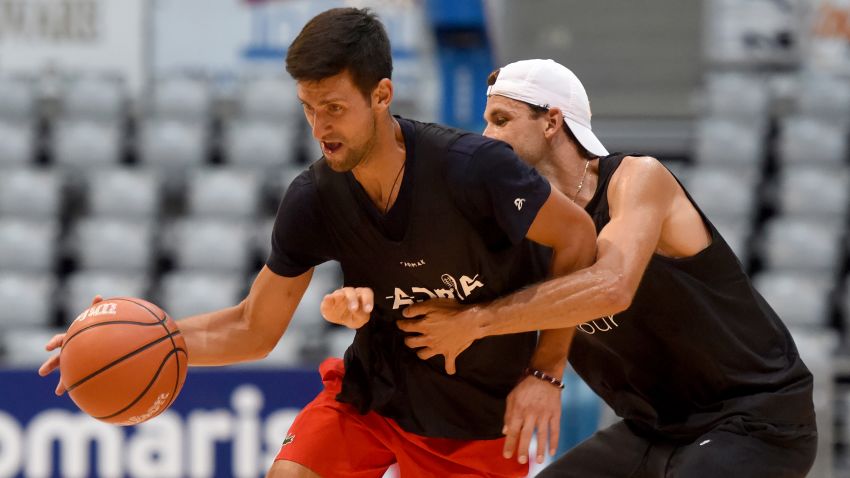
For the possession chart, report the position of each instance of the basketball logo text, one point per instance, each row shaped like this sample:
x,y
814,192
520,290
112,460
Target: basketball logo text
x,y
107,308
153,410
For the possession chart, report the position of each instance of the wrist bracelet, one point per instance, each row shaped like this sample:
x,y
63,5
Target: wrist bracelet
x,y
545,377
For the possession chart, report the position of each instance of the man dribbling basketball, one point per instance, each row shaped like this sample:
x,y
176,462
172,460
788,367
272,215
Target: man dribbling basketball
x,y
411,211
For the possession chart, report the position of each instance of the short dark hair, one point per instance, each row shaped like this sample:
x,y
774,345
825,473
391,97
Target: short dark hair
x,y
536,111
342,39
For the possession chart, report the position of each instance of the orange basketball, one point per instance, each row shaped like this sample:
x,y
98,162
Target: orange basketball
x,y
123,361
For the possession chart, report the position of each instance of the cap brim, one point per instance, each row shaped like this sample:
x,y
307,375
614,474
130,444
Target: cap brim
x,y
587,139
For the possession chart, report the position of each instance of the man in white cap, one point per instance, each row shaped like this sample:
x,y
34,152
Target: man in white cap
x,y
671,333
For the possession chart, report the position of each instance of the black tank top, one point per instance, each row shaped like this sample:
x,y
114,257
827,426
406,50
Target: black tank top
x,y
697,345
440,255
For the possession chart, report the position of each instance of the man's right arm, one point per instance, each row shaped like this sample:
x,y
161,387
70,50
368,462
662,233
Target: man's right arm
x,y
249,330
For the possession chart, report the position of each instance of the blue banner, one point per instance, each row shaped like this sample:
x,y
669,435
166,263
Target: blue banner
x,y
226,422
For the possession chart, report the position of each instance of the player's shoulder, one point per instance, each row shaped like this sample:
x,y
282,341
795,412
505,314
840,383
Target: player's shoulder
x,y
302,188
640,169
460,142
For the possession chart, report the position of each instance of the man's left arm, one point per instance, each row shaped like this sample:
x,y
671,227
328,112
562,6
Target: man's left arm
x,y
534,403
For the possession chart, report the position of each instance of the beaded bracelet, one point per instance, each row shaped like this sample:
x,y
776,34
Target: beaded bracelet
x,y
545,377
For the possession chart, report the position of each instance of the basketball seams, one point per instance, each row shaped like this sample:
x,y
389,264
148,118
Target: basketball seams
x,y
118,360
147,388
111,322
177,380
174,349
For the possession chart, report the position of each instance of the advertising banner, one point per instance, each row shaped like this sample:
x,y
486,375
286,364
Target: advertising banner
x,y
226,423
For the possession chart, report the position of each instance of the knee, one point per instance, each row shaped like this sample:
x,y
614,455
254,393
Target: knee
x,y
290,469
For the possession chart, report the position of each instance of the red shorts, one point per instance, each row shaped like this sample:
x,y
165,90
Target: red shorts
x,y
334,440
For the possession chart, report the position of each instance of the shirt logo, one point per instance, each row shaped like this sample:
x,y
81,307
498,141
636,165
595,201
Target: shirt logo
x,y
419,263
455,289
604,324
289,439
518,202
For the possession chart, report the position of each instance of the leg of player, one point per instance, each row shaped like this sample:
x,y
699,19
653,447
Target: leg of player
x,y
742,448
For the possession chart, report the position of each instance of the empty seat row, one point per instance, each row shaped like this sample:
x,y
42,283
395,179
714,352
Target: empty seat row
x,y
820,191
162,143
122,245
224,192
106,97
740,143
31,300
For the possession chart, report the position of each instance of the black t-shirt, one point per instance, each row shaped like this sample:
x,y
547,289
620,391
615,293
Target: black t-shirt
x,y
697,345
490,186
457,230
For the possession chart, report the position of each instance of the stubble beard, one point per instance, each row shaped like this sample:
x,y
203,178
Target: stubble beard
x,y
355,156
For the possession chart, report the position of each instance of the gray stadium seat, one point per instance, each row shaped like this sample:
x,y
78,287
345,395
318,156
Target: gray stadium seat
x,y
736,232
210,245
813,191
223,193
17,144
735,95
184,293
125,192
812,141
802,299
26,300
802,245
338,339
825,96
172,145
95,97
327,277
286,353
82,286
181,98
17,100
723,192
845,299
25,347
265,145
721,141
28,246
263,236
30,193
269,98
83,145
119,245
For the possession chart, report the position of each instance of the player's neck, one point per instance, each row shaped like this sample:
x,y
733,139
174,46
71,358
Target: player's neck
x,y
570,172
380,171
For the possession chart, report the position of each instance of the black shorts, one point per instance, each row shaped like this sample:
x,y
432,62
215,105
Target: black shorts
x,y
736,448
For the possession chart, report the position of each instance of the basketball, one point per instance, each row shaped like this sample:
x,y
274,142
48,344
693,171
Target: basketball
x,y
123,361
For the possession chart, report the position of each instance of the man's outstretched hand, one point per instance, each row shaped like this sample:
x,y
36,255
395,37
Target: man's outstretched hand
x,y
444,326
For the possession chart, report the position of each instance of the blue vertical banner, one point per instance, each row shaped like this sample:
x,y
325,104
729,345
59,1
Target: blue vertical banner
x,y
465,58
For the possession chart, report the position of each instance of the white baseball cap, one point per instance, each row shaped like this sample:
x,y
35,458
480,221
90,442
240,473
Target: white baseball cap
x,y
548,84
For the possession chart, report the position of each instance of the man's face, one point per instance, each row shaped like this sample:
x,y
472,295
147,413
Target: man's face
x,y
513,122
342,120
